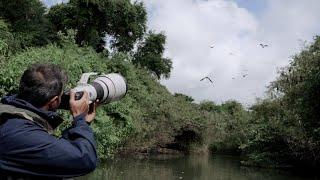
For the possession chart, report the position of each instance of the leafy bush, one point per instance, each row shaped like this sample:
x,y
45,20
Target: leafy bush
x,y
228,127
8,43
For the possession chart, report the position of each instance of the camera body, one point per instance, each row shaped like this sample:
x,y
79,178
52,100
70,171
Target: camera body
x,y
106,88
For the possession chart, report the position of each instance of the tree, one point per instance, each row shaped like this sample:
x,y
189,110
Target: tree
x,y
267,135
150,55
120,21
298,88
299,84
183,96
27,20
232,107
5,38
209,106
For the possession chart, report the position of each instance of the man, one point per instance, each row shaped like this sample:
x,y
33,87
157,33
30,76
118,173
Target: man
x,y
27,147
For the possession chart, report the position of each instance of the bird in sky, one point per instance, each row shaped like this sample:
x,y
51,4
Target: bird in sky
x,y
212,46
263,45
206,78
244,75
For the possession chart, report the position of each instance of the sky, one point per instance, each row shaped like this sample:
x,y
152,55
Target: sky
x,y
234,28
220,39
50,3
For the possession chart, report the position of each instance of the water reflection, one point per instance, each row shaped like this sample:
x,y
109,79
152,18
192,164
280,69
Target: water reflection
x,y
189,168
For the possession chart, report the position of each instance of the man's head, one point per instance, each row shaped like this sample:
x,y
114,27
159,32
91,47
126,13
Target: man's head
x,y
42,85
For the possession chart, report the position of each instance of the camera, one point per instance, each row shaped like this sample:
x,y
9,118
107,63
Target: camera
x,y
106,88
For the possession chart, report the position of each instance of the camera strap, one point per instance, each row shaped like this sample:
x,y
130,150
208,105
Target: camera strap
x,y
9,111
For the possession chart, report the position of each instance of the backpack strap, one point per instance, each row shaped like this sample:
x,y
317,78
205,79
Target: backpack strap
x,y
8,111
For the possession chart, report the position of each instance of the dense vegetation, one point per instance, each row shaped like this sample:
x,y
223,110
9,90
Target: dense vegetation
x,y
287,125
281,130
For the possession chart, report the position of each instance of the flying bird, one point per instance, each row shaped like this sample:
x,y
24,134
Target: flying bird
x,y
263,45
206,78
244,75
212,46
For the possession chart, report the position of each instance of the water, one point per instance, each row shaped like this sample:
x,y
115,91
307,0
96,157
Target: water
x,y
188,168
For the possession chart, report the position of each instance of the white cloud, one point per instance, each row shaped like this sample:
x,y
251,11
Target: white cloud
x,y
192,26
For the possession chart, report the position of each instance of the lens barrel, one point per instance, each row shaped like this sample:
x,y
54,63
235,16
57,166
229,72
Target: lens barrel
x,y
113,86
106,88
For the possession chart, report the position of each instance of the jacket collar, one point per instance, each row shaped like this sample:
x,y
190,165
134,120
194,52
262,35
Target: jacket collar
x,y
52,117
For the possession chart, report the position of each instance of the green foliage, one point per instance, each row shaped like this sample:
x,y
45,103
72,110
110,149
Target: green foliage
x,y
267,138
209,106
230,126
28,24
150,55
121,21
5,36
8,43
232,107
75,61
3,48
299,83
183,96
285,129
159,116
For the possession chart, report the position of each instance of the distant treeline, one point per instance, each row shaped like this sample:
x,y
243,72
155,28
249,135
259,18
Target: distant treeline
x,y
279,131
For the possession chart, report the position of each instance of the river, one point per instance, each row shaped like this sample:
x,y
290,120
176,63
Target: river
x,y
218,167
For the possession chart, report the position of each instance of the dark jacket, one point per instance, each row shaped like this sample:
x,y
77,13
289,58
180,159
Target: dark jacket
x,y
26,149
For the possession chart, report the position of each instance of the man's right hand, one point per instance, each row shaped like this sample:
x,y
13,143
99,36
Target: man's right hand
x,y
80,106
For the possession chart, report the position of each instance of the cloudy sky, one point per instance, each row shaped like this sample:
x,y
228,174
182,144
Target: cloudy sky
x,y
234,28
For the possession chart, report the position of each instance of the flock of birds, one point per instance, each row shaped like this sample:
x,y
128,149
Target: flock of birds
x,y
244,75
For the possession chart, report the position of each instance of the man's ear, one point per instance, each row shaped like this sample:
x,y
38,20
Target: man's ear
x,y
53,103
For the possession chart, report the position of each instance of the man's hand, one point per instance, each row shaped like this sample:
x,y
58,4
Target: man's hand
x,y
92,112
80,106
